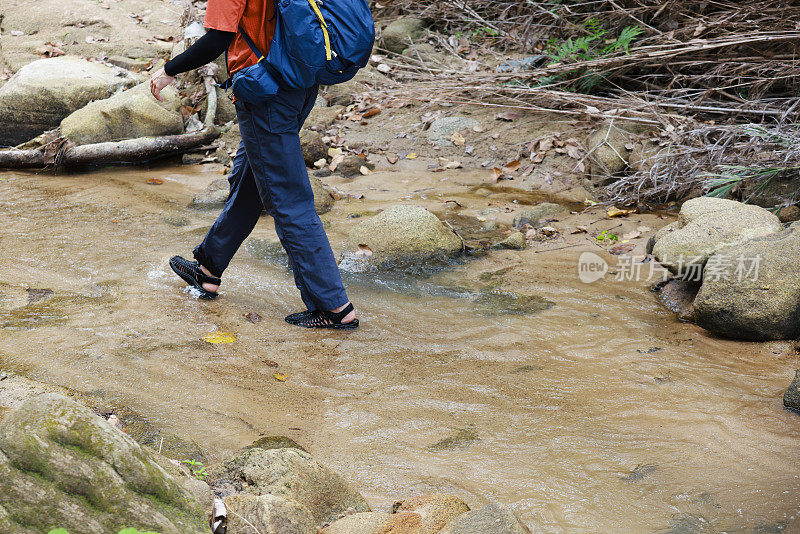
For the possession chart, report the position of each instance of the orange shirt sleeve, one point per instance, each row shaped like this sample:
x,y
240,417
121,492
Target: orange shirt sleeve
x,y
224,15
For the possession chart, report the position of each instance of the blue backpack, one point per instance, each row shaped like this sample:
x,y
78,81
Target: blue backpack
x,y
321,42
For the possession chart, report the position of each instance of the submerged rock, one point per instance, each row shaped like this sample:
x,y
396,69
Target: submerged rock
x,y
399,35
290,474
791,399
441,130
704,226
678,296
753,290
127,115
460,440
42,93
399,237
538,213
436,510
63,466
213,196
491,519
377,523
267,514
515,241
216,193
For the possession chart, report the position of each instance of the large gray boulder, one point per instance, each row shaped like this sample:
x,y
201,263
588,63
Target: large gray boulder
x,y
267,514
399,237
491,519
63,466
290,474
42,93
705,225
399,35
752,290
127,115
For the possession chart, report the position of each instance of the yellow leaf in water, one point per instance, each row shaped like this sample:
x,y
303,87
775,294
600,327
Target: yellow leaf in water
x,y
219,337
280,377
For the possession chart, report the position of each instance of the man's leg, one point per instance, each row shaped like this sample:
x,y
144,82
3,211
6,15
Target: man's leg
x,y
270,135
240,215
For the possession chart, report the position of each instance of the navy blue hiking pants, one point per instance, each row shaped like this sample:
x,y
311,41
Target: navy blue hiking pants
x,y
269,173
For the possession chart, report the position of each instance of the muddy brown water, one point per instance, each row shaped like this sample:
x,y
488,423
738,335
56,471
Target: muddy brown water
x,y
586,408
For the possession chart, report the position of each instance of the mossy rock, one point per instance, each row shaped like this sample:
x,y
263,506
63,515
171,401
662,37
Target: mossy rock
x,y
63,466
290,474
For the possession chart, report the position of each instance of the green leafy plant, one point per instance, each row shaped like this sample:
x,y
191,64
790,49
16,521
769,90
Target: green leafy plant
x,y
197,469
607,237
592,45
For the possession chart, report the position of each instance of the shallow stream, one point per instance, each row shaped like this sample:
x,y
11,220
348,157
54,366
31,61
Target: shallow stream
x,y
587,408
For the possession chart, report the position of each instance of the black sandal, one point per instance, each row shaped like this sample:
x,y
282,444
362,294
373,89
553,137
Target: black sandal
x,y
194,276
323,319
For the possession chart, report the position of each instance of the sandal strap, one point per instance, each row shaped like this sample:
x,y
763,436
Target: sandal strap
x,y
336,318
203,278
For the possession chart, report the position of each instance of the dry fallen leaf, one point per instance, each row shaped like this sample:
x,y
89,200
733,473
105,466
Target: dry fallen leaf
x,y
632,234
622,249
413,155
458,139
155,181
280,377
512,166
580,230
497,172
270,363
216,338
252,317
614,211
392,158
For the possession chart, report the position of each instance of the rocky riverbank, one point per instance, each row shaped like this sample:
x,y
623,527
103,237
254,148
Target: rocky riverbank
x,y
63,466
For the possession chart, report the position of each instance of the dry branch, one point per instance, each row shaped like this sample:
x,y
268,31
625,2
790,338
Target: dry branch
x,y
129,151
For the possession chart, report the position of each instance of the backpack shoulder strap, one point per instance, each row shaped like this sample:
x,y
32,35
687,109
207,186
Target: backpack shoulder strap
x,y
251,44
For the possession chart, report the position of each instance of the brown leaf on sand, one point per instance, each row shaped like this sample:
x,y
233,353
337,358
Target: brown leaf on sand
x,y
622,249
270,363
155,181
579,230
252,317
458,139
497,172
392,158
512,166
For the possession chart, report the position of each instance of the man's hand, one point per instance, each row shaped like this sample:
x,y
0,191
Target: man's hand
x,y
158,81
